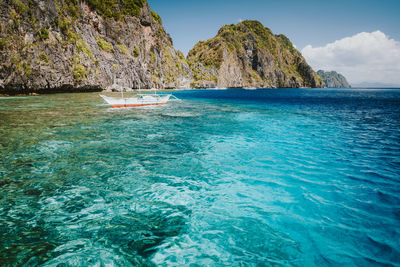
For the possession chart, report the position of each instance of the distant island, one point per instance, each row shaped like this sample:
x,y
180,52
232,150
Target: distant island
x,y
66,46
375,85
333,79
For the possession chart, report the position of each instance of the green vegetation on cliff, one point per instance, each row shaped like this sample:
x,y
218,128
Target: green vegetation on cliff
x,y
156,17
2,43
104,45
116,8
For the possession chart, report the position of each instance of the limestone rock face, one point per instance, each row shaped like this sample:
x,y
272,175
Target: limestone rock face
x,y
250,55
49,46
67,45
333,79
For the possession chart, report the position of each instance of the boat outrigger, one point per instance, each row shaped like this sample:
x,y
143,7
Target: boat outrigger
x,y
140,100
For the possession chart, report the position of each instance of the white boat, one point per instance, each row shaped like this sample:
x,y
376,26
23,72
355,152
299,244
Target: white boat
x,y
140,100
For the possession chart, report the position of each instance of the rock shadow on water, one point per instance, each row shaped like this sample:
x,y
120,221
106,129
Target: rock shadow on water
x,y
126,240
24,245
139,235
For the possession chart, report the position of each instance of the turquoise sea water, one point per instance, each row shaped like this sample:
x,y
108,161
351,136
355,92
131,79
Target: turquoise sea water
x,y
301,177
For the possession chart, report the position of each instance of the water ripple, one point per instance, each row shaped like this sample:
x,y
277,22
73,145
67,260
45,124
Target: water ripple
x,y
232,177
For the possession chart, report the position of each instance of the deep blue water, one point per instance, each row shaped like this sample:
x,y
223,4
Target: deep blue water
x,y
291,177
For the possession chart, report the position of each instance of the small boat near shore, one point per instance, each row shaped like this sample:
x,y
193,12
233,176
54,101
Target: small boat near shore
x,y
140,100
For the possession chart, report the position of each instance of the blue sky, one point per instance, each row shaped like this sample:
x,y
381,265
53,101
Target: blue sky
x,y
318,28
304,22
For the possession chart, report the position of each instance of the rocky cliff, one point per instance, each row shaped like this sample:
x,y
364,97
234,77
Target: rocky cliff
x,y
70,45
333,79
250,55
51,46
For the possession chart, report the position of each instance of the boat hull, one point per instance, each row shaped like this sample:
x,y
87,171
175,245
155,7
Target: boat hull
x,y
138,105
138,101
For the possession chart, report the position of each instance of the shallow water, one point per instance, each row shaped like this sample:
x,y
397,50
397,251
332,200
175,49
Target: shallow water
x,y
231,177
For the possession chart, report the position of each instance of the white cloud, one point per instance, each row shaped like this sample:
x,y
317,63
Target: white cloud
x,y
364,57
